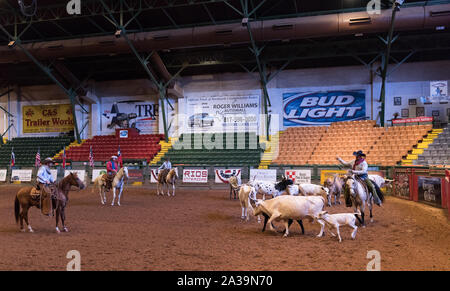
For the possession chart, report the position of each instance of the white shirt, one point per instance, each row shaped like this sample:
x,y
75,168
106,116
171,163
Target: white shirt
x,y
44,175
166,165
360,169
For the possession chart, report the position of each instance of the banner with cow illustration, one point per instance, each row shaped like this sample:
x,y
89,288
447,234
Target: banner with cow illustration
x,y
323,108
142,115
47,118
223,175
263,175
299,176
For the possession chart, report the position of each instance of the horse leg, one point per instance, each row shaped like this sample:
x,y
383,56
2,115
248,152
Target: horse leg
x,y
101,196
21,217
242,213
58,215
63,219
370,209
329,199
24,214
173,188
114,196
104,194
120,195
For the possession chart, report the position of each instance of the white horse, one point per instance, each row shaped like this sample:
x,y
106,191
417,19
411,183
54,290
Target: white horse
x,y
118,184
359,196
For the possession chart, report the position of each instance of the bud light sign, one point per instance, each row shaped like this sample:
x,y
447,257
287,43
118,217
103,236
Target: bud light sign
x,y
323,108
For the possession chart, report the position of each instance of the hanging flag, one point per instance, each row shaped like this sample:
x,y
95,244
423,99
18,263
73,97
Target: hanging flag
x,y
91,158
13,158
64,159
37,162
119,158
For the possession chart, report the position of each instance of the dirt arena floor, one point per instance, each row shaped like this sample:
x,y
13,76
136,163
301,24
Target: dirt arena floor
x,y
202,230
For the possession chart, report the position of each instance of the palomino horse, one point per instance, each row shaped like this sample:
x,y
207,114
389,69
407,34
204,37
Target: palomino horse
x,y
166,177
100,184
59,201
359,195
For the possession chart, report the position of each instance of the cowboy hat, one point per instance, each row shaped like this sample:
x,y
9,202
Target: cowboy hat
x,y
359,153
48,160
114,158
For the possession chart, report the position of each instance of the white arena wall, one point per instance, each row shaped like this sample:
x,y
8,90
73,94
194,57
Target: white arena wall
x,y
408,81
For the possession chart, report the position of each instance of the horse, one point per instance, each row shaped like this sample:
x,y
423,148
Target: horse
x,y
117,184
59,201
359,195
166,177
334,185
100,184
234,186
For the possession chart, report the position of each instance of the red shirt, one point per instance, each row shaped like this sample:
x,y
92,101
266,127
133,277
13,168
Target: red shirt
x,y
111,167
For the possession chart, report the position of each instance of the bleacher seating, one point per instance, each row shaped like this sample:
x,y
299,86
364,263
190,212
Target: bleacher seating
x,y
25,149
238,150
143,147
320,145
437,153
395,143
297,144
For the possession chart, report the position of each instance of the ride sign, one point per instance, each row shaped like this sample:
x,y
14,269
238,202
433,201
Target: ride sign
x,y
323,108
195,176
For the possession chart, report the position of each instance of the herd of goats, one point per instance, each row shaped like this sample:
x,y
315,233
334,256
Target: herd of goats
x,y
305,201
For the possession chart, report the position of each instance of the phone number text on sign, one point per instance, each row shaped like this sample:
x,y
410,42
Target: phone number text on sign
x,y
195,176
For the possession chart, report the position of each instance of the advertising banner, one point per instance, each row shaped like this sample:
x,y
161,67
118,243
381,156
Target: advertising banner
x,y
97,172
401,185
430,190
3,175
21,175
323,108
263,175
195,176
135,176
81,174
413,120
299,176
142,115
222,114
224,175
47,118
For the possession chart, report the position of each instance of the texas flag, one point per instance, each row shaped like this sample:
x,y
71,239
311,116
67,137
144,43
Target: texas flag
x,y
119,158
13,158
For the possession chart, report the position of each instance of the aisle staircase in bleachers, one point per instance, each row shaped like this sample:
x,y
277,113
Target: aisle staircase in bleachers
x,y
165,147
436,150
271,149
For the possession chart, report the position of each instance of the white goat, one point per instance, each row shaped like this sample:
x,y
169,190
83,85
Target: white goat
x,y
334,221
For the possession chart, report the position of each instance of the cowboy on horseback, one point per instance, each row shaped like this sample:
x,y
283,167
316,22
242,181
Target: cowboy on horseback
x,y
360,168
111,170
166,165
45,187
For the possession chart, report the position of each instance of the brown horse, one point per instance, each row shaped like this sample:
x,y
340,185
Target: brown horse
x,y
59,201
166,177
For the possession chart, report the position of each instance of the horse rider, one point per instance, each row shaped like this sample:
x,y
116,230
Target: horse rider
x,y
359,168
111,171
45,183
166,165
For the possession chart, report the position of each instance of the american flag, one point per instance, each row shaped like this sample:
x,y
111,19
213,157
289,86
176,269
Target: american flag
x,y
119,158
91,158
37,163
64,158
13,158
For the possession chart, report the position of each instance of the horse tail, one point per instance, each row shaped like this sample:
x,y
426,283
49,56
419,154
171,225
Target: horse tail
x,y
379,192
16,209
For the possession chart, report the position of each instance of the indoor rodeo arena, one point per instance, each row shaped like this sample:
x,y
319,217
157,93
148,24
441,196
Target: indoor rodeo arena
x,y
224,135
